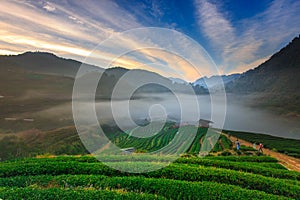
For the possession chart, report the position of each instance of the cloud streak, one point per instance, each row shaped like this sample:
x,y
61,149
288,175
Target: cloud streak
x,y
258,37
70,29
49,7
214,24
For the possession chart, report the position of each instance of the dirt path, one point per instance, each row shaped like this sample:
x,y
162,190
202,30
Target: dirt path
x,y
210,142
289,162
222,145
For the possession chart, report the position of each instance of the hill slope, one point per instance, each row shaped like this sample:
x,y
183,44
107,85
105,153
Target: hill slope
x,y
276,81
43,63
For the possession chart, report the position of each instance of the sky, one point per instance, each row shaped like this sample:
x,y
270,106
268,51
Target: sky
x,y
237,35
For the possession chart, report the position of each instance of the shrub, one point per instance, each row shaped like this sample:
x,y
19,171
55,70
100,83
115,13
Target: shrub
x,y
226,153
66,194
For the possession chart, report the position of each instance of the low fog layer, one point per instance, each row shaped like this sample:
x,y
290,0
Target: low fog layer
x,y
239,116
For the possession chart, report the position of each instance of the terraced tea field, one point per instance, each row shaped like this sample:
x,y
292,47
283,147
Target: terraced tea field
x,y
211,177
166,135
191,176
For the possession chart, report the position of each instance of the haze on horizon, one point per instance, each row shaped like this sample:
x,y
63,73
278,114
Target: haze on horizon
x,y
238,35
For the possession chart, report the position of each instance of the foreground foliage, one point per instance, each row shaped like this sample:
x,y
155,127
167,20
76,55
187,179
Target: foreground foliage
x,y
219,177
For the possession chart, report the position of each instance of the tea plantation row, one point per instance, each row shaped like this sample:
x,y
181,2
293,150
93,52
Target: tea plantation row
x,y
287,185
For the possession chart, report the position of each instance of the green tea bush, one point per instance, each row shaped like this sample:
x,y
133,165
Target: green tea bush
x,y
174,171
171,189
256,168
70,194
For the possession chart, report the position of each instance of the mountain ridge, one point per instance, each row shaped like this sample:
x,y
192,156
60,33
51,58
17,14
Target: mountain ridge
x,y
45,63
215,81
283,65
279,74
275,83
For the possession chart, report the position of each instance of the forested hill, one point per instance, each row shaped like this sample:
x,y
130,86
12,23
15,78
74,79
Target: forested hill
x,y
276,80
280,73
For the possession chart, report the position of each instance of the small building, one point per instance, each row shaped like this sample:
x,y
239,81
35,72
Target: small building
x,y
204,123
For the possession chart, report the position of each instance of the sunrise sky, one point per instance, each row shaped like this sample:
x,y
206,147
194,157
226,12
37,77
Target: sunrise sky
x,y
238,35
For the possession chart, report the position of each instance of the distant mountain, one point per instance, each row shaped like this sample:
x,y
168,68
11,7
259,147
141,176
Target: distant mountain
x,y
276,81
214,81
178,80
157,83
44,63
49,64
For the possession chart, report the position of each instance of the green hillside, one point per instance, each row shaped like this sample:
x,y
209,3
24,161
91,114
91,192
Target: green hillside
x,y
218,177
34,142
65,141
